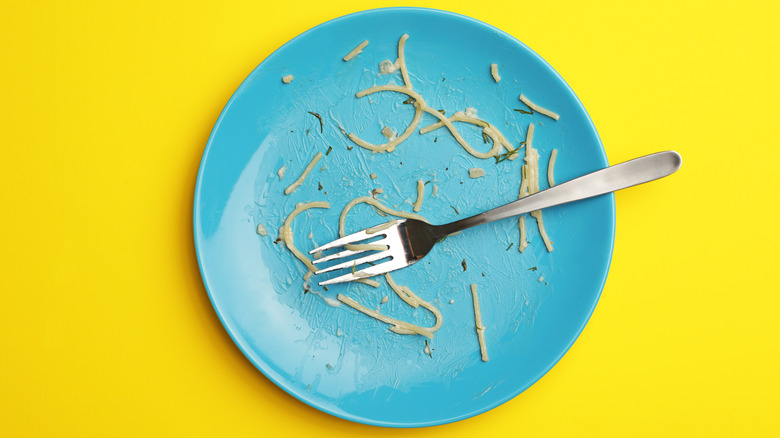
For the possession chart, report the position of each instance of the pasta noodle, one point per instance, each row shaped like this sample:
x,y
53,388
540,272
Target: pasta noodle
x,y
368,281
420,106
354,52
542,231
415,301
551,168
397,326
478,323
402,60
303,176
403,292
379,206
390,145
420,102
420,195
491,131
530,185
381,227
285,233
539,109
494,73
523,240
368,247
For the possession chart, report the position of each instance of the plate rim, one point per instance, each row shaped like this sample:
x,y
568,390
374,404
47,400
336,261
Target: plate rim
x,y
262,365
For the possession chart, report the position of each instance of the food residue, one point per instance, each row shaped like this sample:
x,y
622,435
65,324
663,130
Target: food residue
x,y
303,176
354,52
539,109
551,168
420,195
494,72
499,148
478,323
386,67
388,133
476,172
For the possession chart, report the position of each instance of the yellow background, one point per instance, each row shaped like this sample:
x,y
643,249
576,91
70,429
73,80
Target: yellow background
x,y
105,325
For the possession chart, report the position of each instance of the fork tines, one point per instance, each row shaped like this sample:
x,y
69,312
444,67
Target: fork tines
x,y
390,239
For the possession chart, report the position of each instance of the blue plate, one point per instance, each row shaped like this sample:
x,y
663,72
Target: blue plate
x,y
534,304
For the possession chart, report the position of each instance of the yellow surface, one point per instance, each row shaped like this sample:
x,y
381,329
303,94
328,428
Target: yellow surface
x,y
106,327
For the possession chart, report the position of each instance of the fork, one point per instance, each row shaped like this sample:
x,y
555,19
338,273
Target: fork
x,y
409,240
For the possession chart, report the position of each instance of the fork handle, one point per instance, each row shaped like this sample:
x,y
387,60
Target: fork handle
x,y
607,180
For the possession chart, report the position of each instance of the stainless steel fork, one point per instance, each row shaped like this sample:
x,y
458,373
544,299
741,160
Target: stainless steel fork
x,y
408,240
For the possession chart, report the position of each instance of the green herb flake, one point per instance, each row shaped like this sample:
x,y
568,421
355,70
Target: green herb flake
x,y
330,148
409,101
456,210
435,139
319,186
427,182
510,245
524,111
444,113
349,148
463,263
318,118
353,268
532,269
325,287
501,157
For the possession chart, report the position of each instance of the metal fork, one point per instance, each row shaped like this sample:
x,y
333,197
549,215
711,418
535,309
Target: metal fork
x,y
409,240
